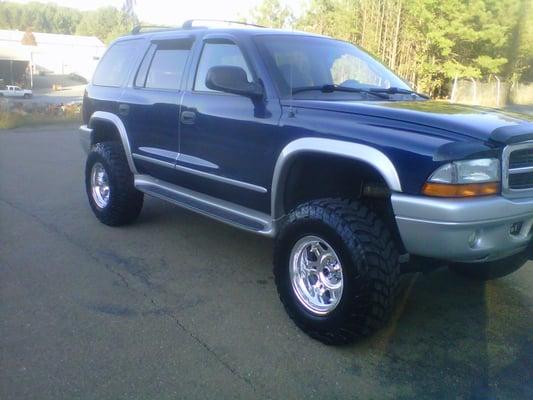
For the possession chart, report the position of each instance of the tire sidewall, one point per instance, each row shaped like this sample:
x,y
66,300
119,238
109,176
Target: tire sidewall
x,y
96,156
352,267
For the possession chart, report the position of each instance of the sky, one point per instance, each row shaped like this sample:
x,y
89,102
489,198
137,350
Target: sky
x,y
168,12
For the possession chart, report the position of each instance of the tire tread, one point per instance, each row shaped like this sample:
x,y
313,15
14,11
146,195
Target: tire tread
x,y
374,256
126,201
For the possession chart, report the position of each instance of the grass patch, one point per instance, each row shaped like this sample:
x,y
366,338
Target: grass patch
x,y
10,120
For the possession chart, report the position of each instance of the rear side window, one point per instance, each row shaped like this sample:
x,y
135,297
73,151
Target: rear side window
x,y
114,67
217,54
164,65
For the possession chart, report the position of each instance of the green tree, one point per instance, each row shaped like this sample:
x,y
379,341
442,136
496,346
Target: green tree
x,y
38,17
273,14
107,23
521,49
429,42
465,39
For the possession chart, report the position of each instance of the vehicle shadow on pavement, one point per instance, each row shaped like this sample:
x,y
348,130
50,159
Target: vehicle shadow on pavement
x,y
452,337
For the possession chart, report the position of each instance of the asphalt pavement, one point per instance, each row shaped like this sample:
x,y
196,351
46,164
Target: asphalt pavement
x,y
177,306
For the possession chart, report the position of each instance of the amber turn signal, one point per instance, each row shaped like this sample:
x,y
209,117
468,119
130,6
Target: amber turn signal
x,y
465,190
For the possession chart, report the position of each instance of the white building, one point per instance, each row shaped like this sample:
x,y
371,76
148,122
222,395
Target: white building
x,y
52,54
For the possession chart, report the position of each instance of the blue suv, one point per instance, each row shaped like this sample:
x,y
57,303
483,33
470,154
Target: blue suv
x,y
313,142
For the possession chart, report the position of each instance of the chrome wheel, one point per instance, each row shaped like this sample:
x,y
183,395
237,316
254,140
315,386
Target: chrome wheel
x,y
316,275
100,185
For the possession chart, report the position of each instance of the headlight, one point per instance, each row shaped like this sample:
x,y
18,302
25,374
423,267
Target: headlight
x,y
468,171
466,178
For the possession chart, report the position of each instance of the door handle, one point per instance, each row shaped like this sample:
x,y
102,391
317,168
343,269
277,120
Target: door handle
x,y
123,109
188,117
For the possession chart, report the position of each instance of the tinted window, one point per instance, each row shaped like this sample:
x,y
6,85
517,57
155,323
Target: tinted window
x,y
216,54
166,69
163,69
114,67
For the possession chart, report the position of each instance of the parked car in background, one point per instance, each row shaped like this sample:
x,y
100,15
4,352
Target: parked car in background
x,y
16,91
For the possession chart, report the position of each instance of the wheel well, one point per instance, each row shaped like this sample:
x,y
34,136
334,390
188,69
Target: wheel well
x,y
315,175
104,131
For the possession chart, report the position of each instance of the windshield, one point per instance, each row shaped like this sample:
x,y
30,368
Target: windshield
x,y
298,62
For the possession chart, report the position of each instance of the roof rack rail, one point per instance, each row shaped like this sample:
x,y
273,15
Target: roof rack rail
x,y
188,24
152,28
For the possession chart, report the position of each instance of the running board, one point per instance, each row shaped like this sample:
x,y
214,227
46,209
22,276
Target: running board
x,y
224,211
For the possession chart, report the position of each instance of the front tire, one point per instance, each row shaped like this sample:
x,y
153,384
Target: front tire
x,y
343,248
109,185
486,271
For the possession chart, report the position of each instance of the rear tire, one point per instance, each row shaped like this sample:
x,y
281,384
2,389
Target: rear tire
x,y
490,270
369,269
109,185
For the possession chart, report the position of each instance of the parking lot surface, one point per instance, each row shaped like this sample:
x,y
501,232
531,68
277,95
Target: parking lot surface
x,y
177,306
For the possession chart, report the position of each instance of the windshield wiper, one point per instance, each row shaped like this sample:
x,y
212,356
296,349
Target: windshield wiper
x,y
397,90
336,88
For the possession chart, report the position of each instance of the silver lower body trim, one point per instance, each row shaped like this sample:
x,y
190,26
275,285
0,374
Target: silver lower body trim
x,y
224,211
178,167
469,230
153,160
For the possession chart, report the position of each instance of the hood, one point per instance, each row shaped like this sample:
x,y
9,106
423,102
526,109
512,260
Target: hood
x,y
469,122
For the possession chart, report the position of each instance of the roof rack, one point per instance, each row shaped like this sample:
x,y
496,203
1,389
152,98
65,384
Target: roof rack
x,y
152,28
188,24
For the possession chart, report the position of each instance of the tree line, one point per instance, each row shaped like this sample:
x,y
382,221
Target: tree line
x,y
106,23
427,42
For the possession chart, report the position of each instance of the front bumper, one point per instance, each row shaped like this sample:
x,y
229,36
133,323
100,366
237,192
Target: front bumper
x,y
85,138
464,230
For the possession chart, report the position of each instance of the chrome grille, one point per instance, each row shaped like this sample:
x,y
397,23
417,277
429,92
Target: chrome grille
x,y
521,181
521,158
517,164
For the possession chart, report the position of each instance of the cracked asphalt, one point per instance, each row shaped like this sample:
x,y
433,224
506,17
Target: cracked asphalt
x,y
177,306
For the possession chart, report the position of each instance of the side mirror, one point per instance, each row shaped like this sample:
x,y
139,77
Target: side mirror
x,y
232,79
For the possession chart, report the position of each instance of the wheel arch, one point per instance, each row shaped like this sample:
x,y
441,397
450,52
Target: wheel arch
x,y
120,134
296,149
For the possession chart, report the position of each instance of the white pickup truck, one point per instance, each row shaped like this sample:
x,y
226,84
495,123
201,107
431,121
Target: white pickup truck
x,y
16,91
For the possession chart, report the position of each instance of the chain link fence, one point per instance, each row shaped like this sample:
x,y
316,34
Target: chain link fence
x,y
490,93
